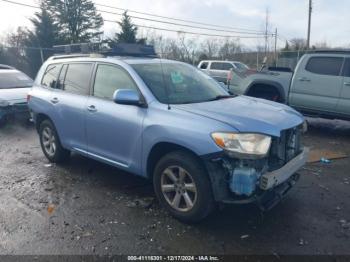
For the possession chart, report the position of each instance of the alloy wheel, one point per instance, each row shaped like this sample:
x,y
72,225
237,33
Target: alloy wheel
x,y
178,188
49,141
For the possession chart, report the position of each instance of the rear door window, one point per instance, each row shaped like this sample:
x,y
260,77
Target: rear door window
x,y
51,75
77,78
325,65
110,78
216,66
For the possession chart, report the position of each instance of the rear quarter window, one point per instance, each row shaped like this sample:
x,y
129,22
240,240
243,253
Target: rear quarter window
x,y
325,65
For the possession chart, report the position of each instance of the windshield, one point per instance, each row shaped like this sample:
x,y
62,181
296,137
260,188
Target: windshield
x,y
241,66
177,83
14,79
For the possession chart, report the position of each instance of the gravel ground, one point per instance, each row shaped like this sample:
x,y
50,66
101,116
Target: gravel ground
x,y
85,207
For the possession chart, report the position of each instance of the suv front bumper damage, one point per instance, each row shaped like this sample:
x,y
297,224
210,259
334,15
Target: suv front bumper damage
x,y
271,187
277,177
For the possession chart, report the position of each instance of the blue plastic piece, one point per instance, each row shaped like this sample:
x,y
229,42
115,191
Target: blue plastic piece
x,y
243,181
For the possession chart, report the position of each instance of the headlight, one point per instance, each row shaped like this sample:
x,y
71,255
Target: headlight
x,y
4,103
246,146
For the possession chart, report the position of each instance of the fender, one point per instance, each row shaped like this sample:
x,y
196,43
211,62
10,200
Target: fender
x,y
274,84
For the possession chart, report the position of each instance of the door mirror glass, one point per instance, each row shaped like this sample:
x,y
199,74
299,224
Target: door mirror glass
x,y
127,97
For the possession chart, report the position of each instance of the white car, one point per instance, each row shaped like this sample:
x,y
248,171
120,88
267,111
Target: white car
x,y
14,88
219,69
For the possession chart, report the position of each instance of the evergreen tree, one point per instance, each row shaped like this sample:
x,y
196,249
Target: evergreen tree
x,y
127,34
45,31
44,35
78,20
286,47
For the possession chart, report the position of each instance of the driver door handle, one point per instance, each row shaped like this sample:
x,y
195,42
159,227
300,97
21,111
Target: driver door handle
x,y
347,83
92,108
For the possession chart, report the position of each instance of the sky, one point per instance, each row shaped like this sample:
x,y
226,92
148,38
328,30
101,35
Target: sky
x,y
330,19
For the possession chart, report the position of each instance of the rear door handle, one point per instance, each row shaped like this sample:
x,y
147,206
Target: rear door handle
x,y
304,79
347,83
54,100
92,108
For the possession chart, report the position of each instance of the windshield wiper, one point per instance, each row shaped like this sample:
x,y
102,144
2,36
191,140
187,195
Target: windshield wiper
x,y
221,97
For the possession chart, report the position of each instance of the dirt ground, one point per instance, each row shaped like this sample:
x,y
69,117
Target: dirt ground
x,y
85,207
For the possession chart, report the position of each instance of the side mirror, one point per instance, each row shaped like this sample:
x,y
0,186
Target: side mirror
x,y
127,97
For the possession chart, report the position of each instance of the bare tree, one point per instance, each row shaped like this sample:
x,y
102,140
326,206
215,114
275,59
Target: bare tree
x,y
298,44
210,47
229,49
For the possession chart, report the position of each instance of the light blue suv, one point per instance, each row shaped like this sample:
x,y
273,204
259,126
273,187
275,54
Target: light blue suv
x,y
169,122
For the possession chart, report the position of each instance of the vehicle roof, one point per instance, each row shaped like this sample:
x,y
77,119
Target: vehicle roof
x,y
125,59
327,54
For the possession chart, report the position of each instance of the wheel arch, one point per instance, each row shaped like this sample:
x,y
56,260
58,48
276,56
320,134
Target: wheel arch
x,y
275,85
160,149
39,118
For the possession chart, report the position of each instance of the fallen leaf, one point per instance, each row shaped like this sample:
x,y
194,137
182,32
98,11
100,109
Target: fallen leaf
x,y
50,208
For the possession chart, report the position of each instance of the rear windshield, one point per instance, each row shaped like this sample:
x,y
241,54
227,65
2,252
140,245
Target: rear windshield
x,y
12,79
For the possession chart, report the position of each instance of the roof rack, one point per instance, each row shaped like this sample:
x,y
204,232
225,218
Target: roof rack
x,y
136,50
55,57
98,49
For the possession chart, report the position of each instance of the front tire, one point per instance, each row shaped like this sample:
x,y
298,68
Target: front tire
x,y
50,143
183,187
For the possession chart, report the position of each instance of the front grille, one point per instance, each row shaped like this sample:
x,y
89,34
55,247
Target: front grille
x,y
285,147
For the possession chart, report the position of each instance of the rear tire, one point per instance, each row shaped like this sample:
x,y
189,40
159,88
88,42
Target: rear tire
x,y
183,187
50,143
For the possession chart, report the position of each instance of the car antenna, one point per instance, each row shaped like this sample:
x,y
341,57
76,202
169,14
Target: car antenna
x,y
165,84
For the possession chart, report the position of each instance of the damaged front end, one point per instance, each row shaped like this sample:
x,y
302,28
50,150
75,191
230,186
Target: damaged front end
x,y
264,181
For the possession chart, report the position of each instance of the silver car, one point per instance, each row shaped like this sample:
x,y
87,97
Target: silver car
x,y
220,69
14,88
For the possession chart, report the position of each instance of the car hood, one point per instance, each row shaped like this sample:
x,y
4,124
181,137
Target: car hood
x,y
247,114
14,95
